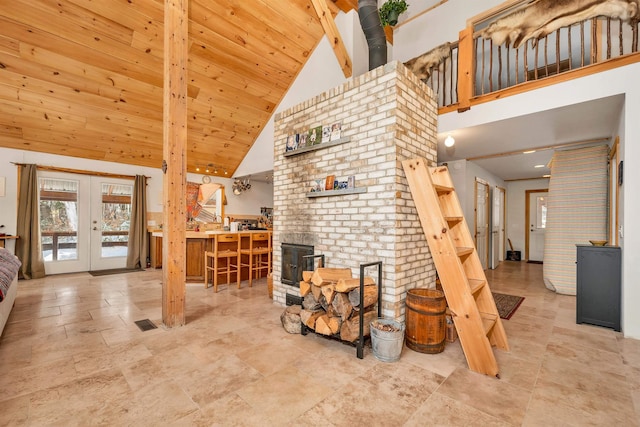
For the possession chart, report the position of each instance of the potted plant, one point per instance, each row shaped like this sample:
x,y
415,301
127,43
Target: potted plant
x,y
391,10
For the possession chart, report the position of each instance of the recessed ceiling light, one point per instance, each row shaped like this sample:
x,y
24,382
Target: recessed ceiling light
x,y
538,166
449,141
529,152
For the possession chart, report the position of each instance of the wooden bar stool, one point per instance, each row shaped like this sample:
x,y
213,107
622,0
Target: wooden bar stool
x,y
258,254
225,246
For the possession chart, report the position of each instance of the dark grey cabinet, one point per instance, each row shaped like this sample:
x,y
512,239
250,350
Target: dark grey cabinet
x,y
598,286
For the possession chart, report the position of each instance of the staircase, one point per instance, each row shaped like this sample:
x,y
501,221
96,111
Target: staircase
x,y
453,251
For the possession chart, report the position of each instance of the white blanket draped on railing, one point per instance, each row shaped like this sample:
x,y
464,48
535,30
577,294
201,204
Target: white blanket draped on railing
x,y
576,212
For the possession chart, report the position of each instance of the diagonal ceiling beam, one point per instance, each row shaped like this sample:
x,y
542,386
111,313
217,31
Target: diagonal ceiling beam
x,y
331,30
346,5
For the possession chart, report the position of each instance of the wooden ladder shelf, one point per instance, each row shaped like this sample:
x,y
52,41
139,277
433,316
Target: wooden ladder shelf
x,y
453,251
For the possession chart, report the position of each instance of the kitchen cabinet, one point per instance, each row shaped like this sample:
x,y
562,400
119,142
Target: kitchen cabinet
x,y
195,259
155,252
598,285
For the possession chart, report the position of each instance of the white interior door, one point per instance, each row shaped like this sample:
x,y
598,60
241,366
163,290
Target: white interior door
x,y
537,225
482,222
502,250
496,218
84,221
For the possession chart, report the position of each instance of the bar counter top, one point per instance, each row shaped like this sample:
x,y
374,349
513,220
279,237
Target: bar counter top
x,y
210,233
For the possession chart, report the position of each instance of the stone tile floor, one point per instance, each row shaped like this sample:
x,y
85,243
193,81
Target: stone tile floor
x,y
72,355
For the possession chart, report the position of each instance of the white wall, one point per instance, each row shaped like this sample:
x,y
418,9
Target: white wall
x,y
321,72
516,227
464,174
442,24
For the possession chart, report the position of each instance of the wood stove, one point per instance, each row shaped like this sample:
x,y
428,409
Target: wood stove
x,y
294,263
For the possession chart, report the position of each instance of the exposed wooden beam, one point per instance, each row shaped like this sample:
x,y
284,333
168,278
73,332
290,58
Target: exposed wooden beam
x,y
331,30
174,164
346,5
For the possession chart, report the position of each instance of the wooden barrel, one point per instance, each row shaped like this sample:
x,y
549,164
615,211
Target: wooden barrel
x,y
425,320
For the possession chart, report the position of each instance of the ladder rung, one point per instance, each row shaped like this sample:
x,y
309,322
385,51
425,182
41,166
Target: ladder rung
x,y
488,321
460,251
442,189
452,220
476,285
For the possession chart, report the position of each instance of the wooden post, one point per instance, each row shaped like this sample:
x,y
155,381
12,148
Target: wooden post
x,y
465,69
333,35
176,27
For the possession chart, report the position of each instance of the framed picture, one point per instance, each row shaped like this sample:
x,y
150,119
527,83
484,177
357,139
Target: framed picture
x,y
302,140
326,133
351,182
336,130
292,142
315,136
330,182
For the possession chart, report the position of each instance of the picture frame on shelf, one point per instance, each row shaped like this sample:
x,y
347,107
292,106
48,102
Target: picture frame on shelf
x,y
314,136
336,131
351,182
326,133
292,142
302,140
330,182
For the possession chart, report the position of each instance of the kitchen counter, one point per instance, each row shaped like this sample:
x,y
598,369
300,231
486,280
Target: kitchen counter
x,y
207,234
197,243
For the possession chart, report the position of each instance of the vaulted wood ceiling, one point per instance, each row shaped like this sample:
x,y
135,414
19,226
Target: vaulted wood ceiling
x,y
84,78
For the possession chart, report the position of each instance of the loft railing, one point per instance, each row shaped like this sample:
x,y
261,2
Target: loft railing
x,y
568,48
477,70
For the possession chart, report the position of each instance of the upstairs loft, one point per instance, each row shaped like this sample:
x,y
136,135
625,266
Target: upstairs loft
x,y
521,47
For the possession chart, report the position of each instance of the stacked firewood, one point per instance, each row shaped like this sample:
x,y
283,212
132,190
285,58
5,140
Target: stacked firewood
x,y
331,303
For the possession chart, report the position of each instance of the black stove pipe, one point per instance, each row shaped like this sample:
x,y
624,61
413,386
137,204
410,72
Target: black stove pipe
x,y
372,28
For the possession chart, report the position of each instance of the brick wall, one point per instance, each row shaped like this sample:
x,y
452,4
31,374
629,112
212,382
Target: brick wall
x,y
389,116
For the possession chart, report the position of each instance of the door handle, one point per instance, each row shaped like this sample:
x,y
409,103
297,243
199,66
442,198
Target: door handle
x,y
95,228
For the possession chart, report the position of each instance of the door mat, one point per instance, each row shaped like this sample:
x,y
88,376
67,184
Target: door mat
x,y
113,271
145,325
534,262
506,304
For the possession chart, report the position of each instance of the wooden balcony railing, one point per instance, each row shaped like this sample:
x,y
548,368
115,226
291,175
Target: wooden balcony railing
x,y
51,240
478,71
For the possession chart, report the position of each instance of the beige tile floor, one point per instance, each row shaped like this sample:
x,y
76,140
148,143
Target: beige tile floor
x,y
72,355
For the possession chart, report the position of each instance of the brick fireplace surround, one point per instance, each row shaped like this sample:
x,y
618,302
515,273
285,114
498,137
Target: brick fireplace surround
x,y
389,116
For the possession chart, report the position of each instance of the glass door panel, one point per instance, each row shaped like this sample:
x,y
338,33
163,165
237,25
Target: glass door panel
x,y
61,222
111,219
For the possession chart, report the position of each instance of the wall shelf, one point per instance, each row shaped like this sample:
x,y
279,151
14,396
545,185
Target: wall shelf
x,y
317,147
329,193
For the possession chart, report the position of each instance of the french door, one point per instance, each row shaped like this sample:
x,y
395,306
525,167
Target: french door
x,y
84,221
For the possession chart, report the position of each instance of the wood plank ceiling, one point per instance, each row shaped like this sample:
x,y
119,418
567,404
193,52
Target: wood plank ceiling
x,y
83,78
